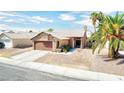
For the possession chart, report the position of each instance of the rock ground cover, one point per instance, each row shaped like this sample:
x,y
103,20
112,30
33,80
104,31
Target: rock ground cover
x,y
84,59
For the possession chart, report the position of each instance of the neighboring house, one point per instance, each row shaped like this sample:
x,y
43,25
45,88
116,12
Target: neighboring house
x,y
53,40
17,39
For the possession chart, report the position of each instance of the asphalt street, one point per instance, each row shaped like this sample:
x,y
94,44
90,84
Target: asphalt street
x,y
14,73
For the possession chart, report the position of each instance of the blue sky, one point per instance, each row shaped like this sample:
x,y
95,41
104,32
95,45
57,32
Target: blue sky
x,y
41,20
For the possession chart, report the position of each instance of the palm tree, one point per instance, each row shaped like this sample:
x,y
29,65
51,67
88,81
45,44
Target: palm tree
x,y
110,29
85,35
50,30
96,17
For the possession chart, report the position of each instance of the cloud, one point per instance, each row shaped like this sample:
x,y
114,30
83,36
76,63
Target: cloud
x,y
75,12
2,17
34,21
8,14
67,17
14,20
87,22
41,19
18,18
10,20
107,12
4,27
19,29
12,17
85,16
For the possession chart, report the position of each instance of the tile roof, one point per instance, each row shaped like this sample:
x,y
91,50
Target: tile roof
x,y
24,35
66,34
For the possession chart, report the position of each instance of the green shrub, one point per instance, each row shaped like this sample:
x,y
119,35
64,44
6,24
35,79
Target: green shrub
x,y
65,48
90,43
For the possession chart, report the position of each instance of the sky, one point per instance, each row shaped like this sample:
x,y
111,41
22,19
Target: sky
x,y
42,20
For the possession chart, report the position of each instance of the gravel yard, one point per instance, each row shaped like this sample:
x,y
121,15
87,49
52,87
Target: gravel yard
x,y
101,63
72,60
84,59
13,51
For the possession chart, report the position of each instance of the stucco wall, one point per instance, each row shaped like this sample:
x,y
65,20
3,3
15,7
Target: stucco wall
x,y
82,43
43,37
43,45
22,43
64,42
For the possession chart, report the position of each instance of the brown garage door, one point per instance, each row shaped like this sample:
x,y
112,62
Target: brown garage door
x,y
43,45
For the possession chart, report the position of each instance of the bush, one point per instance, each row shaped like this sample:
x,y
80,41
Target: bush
x,y
65,48
90,43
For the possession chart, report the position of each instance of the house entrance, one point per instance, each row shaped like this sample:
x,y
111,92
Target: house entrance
x,y
77,43
57,44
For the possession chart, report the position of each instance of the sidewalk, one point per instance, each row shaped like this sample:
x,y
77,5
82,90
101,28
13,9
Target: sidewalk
x,y
63,71
30,55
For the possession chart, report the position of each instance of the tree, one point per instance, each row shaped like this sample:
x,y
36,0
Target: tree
x,y
111,29
85,35
85,28
96,16
30,31
50,30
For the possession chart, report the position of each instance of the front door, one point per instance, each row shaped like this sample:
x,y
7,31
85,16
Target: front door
x,y
77,43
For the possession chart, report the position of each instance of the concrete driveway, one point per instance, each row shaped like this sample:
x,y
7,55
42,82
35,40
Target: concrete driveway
x,y
30,55
13,51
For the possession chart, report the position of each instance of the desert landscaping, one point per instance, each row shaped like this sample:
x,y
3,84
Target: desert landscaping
x,y
84,59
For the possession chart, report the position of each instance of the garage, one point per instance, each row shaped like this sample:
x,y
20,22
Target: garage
x,y
43,45
7,41
17,40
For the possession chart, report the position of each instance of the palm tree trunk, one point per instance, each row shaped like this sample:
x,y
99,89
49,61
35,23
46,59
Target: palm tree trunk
x,y
111,52
94,27
116,52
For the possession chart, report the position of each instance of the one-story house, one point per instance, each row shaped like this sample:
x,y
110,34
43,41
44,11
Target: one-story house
x,y
14,40
53,40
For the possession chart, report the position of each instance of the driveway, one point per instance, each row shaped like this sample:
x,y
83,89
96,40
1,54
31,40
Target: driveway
x,y
30,55
13,51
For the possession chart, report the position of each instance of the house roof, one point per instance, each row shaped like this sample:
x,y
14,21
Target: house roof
x,y
66,34
57,35
1,32
20,35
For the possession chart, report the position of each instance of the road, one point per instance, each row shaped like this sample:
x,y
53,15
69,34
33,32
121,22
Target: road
x,y
14,73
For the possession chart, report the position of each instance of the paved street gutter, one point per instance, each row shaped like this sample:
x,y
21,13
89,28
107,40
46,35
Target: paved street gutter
x,y
16,73
64,71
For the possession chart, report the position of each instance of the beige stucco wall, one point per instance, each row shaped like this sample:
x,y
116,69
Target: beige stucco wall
x,y
73,42
22,43
83,42
43,37
64,42
46,37
54,45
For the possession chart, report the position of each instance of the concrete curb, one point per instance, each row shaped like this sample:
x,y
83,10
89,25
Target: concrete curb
x,y
64,71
